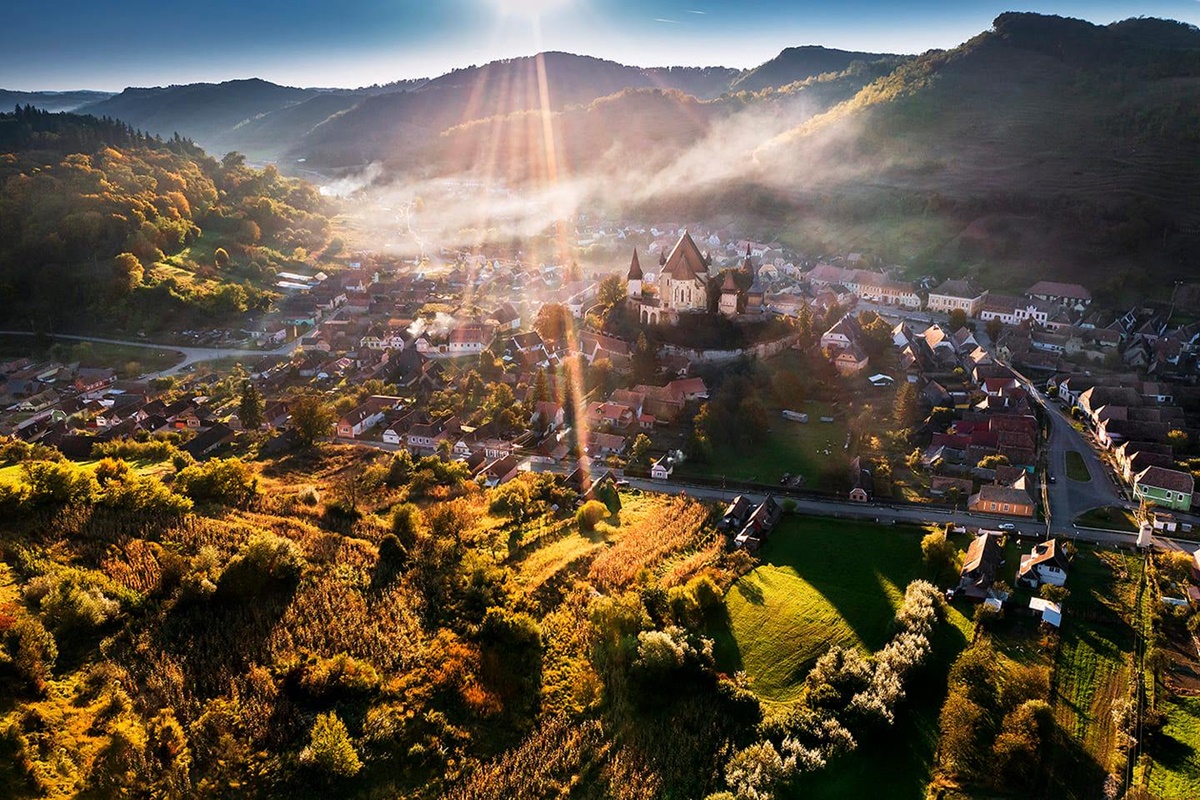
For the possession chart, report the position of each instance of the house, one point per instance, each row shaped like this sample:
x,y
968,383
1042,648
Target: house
x,y
661,469
957,295
500,471
470,339
758,527
209,440
1051,613
851,361
980,565
549,414
995,499
735,514
1046,563
1167,488
1069,294
860,482
606,444
366,416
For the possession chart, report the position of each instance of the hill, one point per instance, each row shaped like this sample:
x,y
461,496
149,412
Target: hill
x,y
1042,144
51,101
204,112
105,227
800,63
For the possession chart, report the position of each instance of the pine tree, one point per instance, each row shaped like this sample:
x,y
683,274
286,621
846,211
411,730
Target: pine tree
x,y
250,410
541,387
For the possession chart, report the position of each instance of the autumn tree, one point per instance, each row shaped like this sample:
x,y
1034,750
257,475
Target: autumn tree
x,y
640,449
958,319
612,291
312,418
552,323
127,273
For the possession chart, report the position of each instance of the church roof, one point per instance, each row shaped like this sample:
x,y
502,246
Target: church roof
x,y
685,262
729,286
635,267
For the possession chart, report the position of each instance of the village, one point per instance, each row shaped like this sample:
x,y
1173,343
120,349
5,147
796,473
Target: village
x,y
1027,437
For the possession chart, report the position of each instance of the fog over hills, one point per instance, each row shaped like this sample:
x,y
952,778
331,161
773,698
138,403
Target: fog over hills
x,y
1042,143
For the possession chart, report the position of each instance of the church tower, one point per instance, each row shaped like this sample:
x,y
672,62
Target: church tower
x,y
635,276
729,296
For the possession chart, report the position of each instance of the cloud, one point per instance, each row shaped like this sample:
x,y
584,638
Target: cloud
x,y
705,13
668,21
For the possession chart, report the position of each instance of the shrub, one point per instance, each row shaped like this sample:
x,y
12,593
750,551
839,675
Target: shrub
x,y
134,492
32,649
406,524
589,514
340,675
309,496
266,561
75,599
223,480
330,750
59,482
152,450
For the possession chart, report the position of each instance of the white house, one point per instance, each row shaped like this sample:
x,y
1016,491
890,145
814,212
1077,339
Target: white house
x,y
1046,563
661,470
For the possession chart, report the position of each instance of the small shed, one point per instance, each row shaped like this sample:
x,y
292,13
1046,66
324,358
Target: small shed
x,y
1051,613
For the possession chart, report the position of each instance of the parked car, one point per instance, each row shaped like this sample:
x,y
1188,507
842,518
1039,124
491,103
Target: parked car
x,y
1007,526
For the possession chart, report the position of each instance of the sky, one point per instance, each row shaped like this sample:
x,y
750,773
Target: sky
x,y
111,44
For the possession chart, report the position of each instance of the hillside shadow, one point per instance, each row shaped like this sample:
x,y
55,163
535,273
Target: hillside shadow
x,y
854,577
1171,752
726,651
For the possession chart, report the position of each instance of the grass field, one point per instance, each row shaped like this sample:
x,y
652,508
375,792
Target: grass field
x,y
823,582
1092,668
1076,469
1175,770
1110,518
92,354
797,448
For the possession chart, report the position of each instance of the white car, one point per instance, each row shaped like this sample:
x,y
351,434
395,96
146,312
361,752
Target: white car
x,y
1007,526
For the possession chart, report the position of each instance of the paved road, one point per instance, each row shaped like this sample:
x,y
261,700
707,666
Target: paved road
x,y
191,355
1070,498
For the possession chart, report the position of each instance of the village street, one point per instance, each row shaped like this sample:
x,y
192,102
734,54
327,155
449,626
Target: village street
x,y
191,355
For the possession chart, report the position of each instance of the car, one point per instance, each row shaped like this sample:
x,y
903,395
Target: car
x,y
622,484
1053,479
1007,526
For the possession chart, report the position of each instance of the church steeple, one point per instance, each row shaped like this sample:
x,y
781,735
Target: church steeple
x,y
747,265
635,268
634,279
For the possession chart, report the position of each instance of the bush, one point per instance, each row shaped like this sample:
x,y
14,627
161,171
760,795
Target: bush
x,y
152,450
228,480
330,750
266,561
59,482
406,524
589,514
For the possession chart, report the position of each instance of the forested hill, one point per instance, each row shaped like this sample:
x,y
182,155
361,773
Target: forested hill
x,y
103,223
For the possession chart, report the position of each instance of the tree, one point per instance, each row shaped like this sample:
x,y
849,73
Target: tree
x,y
958,319
250,409
552,323
645,360
1178,439
312,418
992,461
612,291
127,273
640,449
993,327
330,750
905,409
941,556
541,387
406,524
590,513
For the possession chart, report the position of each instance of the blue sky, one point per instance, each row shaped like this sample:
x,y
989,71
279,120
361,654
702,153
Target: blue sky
x,y
110,44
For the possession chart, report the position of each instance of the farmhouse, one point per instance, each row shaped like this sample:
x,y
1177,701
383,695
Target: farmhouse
x,y
995,499
1047,563
979,566
1163,487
